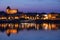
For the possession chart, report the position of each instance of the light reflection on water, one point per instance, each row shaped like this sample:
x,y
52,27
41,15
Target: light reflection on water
x,y
14,28
30,25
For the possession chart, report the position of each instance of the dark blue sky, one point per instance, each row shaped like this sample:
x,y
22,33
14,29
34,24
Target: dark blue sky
x,y
31,5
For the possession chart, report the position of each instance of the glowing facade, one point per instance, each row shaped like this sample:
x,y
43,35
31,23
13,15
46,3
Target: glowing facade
x,y
11,11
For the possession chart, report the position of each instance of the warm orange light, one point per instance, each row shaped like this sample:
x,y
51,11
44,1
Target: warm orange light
x,y
16,25
4,25
53,17
45,25
9,17
45,17
54,26
8,11
14,31
11,11
49,15
8,31
16,17
3,18
49,27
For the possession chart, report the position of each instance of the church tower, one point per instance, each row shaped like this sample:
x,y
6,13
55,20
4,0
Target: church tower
x,y
11,11
8,9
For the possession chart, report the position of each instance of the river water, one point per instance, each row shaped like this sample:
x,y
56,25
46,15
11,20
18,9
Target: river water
x,y
29,31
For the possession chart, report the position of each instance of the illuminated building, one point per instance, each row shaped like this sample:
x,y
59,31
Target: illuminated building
x,y
45,16
27,20
11,11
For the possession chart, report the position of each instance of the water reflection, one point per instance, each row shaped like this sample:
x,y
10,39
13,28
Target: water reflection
x,y
49,26
11,31
14,28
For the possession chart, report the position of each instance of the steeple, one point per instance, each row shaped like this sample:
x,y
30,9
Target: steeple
x,y
8,7
11,11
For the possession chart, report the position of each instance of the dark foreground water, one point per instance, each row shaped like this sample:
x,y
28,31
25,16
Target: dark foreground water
x,y
32,35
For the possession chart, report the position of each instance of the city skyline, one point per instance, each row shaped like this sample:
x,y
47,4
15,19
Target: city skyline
x,y
31,5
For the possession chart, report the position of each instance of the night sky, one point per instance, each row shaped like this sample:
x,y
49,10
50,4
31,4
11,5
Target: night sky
x,y
31,5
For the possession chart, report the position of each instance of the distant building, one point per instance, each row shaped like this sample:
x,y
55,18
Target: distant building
x,y
11,11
